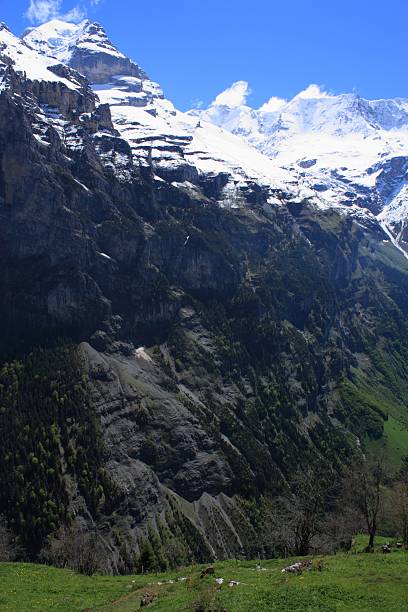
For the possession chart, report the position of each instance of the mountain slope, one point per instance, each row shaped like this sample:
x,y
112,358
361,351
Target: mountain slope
x,y
220,324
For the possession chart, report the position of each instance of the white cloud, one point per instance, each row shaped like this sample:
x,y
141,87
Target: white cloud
x,y
312,92
235,95
272,105
75,14
40,11
43,10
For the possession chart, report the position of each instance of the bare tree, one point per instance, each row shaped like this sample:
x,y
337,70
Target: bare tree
x,y
399,502
337,529
77,548
9,549
4,542
399,498
297,518
365,491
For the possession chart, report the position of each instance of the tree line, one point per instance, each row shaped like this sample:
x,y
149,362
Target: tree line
x,y
318,513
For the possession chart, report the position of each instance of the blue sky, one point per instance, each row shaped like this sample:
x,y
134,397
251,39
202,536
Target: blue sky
x,y
196,49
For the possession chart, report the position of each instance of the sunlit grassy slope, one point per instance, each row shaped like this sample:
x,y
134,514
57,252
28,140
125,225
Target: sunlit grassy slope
x,y
354,581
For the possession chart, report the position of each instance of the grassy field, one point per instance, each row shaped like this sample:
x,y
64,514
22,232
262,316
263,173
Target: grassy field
x,y
355,581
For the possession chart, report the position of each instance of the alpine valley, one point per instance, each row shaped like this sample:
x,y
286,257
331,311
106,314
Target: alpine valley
x,y
194,304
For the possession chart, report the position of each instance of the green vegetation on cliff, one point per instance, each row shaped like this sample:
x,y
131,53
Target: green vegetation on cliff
x,y
51,447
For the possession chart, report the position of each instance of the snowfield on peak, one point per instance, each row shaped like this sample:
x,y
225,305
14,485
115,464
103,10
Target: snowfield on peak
x,y
171,140
339,145
27,61
311,110
59,39
179,147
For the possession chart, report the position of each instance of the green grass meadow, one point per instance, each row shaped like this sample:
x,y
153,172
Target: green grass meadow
x,y
354,581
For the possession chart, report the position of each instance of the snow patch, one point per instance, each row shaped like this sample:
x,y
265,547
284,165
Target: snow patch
x,y
141,353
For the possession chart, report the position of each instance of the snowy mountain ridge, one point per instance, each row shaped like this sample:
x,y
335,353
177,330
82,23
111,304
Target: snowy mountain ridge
x,y
311,110
330,150
342,145
179,147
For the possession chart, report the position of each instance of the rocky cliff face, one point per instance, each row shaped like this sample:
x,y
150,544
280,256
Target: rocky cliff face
x,y
217,319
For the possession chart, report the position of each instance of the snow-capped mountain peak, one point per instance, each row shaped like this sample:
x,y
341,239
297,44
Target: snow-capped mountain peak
x,y
175,145
341,146
16,53
61,39
311,110
84,46
317,146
